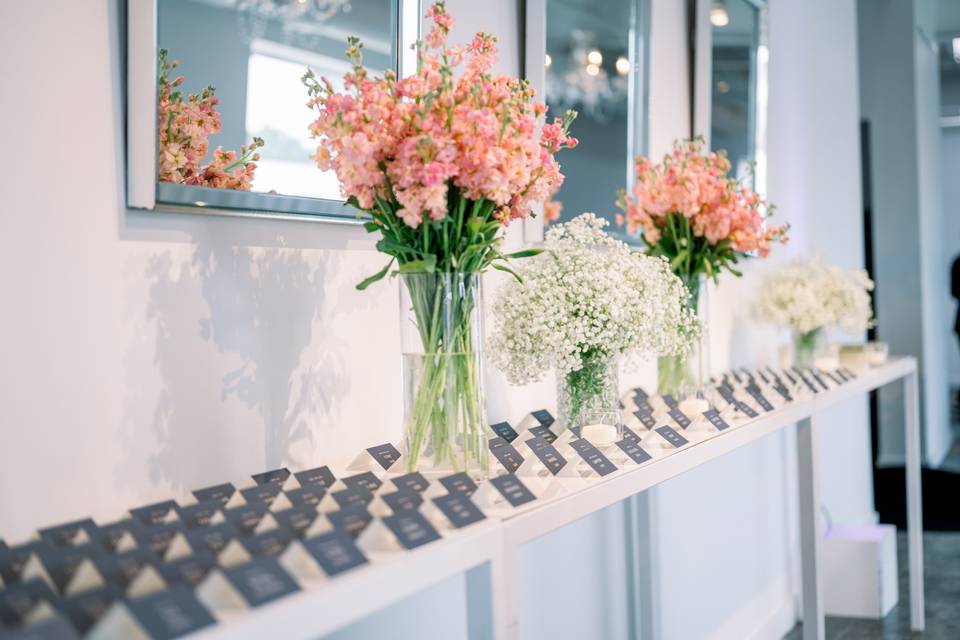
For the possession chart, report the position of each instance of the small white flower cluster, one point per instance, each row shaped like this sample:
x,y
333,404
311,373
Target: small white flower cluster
x,y
812,295
587,295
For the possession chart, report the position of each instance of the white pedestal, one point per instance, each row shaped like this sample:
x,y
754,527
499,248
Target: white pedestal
x,y
860,571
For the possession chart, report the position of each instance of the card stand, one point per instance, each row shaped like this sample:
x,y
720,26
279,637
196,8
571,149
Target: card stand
x,y
236,500
379,508
40,613
654,444
319,526
281,502
377,540
435,516
85,577
233,554
147,582
267,523
569,477
33,568
290,484
366,462
178,548
490,501
218,595
562,443
327,504
531,467
301,564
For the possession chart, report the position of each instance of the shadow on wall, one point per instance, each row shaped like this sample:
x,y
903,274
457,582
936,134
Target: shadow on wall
x,y
235,328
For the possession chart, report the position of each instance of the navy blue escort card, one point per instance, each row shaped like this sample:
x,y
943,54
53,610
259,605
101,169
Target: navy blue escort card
x,y
297,518
61,563
170,614
260,581
593,457
757,395
67,534
646,418
247,517
55,627
547,454
834,377
679,417
366,480
274,476
672,436
639,395
782,391
335,552
352,520
200,514
413,481
221,492
18,599
576,431
816,376
212,539
261,493
632,448
459,482
308,495
745,409
789,377
713,417
459,509
153,513
356,496
122,568
543,417
505,431
402,500
189,571
670,401
85,609
806,381
411,529
384,454
763,377
158,538
512,489
542,432
506,454
319,475
112,534
269,543
630,434
736,376
13,559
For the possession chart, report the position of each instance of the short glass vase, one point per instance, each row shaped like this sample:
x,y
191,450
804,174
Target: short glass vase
x,y
589,399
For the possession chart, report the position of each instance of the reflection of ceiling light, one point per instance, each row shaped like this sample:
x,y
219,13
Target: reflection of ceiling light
x,y
723,86
299,20
623,66
578,80
548,61
592,69
718,14
956,49
595,57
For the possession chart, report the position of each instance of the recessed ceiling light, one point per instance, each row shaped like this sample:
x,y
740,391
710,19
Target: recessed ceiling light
x,y
623,66
595,57
718,14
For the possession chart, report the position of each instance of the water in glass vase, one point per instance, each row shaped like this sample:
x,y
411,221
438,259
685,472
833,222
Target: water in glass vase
x,y
589,398
442,336
686,377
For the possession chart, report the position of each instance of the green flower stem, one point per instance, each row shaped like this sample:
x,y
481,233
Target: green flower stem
x,y
586,386
673,372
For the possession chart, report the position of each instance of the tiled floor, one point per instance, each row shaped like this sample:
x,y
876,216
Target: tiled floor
x,y
942,581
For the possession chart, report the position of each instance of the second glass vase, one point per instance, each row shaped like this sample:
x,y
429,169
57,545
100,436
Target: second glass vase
x,y
685,378
589,398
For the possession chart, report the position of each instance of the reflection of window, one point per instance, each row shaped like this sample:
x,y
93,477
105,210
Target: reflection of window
x,y
277,112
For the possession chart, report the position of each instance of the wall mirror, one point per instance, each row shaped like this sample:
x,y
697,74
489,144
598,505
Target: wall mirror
x,y
730,93
253,53
591,57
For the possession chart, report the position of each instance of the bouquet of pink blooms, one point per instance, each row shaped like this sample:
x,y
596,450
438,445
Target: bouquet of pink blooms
x,y
690,211
440,163
184,129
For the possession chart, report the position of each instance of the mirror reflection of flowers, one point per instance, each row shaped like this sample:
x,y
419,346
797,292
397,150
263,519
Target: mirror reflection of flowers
x,y
439,162
185,125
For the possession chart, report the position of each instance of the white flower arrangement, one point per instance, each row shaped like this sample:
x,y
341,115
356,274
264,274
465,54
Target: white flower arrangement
x,y
587,295
807,296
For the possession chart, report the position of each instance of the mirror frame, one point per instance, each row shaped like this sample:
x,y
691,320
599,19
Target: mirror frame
x,y
638,92
145,191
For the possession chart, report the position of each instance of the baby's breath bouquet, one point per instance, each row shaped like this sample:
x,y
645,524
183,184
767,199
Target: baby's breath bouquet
x,y
581,304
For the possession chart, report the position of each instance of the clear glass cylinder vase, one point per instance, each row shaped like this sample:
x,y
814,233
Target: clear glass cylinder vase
x,y
589,399
441,332
686,377
809,346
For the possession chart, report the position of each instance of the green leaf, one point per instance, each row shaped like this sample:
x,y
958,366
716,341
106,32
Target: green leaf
x,y
371,227
427,265
526,253
503,267
375,277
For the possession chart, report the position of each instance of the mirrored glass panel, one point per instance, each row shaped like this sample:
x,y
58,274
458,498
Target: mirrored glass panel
x,y
592,67
735,31
254,53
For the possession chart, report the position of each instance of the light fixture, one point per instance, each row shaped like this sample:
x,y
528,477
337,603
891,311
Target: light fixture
x,y
578,79
595,57
300,21
548,61
723,86
718,14
593,69
623,66
955,43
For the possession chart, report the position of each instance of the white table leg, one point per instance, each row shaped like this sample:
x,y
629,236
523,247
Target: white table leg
x,y
809,485
914,501
503,573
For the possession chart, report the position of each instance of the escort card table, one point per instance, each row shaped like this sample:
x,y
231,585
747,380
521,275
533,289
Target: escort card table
x,y
320,600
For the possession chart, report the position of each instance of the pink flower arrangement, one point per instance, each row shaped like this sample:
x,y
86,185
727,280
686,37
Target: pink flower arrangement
x,y
184,129
689,210
458,154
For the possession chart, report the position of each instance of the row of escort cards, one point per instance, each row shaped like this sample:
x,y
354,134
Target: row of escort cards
x,y
168,569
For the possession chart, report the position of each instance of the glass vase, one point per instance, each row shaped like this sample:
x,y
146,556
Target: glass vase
x,y
685,377
808,346
589,398
441,334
